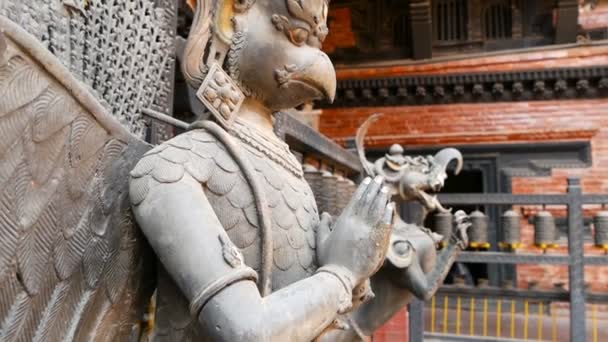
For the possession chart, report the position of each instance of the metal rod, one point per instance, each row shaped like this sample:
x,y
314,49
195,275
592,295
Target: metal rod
x,y
433,300
416,320
594,318
553,324
521,294
499,318
445,314
472,318
540,321
526,258
485,316
526,316
502,199
577,262
165,118
458,309
512,318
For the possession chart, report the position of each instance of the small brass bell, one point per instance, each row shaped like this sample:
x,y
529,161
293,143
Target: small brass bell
x,y
313,177
442,224
327,197
511,230
545,232
478,233
600,227
341,194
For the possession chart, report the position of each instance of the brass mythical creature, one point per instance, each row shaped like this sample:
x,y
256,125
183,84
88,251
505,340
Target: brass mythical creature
x,y
242,252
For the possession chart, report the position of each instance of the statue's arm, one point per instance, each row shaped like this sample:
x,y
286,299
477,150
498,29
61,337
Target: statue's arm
x,y
424,285
395,287
181,226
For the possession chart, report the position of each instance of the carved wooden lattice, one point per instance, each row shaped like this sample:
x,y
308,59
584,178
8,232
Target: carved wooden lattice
x,y
498,21
121,49
450,20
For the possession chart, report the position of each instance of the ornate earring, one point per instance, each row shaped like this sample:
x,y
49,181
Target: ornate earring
x,y
221,95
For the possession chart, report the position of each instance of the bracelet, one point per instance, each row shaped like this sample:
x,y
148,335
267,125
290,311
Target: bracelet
x,y
346,300
211,289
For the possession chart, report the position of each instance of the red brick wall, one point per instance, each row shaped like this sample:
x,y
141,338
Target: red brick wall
x,y
395,330
596,18
497,123
461,124
340,34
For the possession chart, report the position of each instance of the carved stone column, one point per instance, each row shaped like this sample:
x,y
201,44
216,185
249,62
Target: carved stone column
x,y
566,27
421,21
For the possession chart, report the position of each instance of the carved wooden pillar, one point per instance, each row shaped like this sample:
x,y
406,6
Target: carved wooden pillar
x,y
566,27
475,8
517,27
422,42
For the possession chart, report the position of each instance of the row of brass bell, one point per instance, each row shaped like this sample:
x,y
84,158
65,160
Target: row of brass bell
x,y
478,232
545,231
331,192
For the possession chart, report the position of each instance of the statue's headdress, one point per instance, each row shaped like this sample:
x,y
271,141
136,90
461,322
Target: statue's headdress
x,y
211,37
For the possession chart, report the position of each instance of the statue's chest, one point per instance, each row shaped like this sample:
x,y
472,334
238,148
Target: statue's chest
x,y
291,210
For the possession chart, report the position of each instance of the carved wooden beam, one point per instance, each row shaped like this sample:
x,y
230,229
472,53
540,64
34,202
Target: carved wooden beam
x,y
304,139
527,85
567,21
421,23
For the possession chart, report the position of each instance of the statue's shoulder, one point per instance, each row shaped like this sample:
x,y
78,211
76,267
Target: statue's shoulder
x,y
198,154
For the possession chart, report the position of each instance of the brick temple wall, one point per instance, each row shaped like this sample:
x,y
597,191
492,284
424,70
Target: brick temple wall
x,y
495,123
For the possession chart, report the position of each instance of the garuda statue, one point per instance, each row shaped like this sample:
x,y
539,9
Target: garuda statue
x,y
242,252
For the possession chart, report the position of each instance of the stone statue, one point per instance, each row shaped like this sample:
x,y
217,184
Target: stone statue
x,y
73,266
242,252
225,205
413,267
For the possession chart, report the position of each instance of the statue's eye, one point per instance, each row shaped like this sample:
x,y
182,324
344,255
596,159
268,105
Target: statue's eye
x,y
298,35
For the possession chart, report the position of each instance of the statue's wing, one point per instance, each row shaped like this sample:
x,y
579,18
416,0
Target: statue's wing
x,y
71,260
360,144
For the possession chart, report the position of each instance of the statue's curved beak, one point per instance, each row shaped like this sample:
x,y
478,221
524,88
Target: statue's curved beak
x,y
320,75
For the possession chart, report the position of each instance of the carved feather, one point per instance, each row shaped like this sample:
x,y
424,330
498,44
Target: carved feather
x,y
63,179
13,321
9,234
21,86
